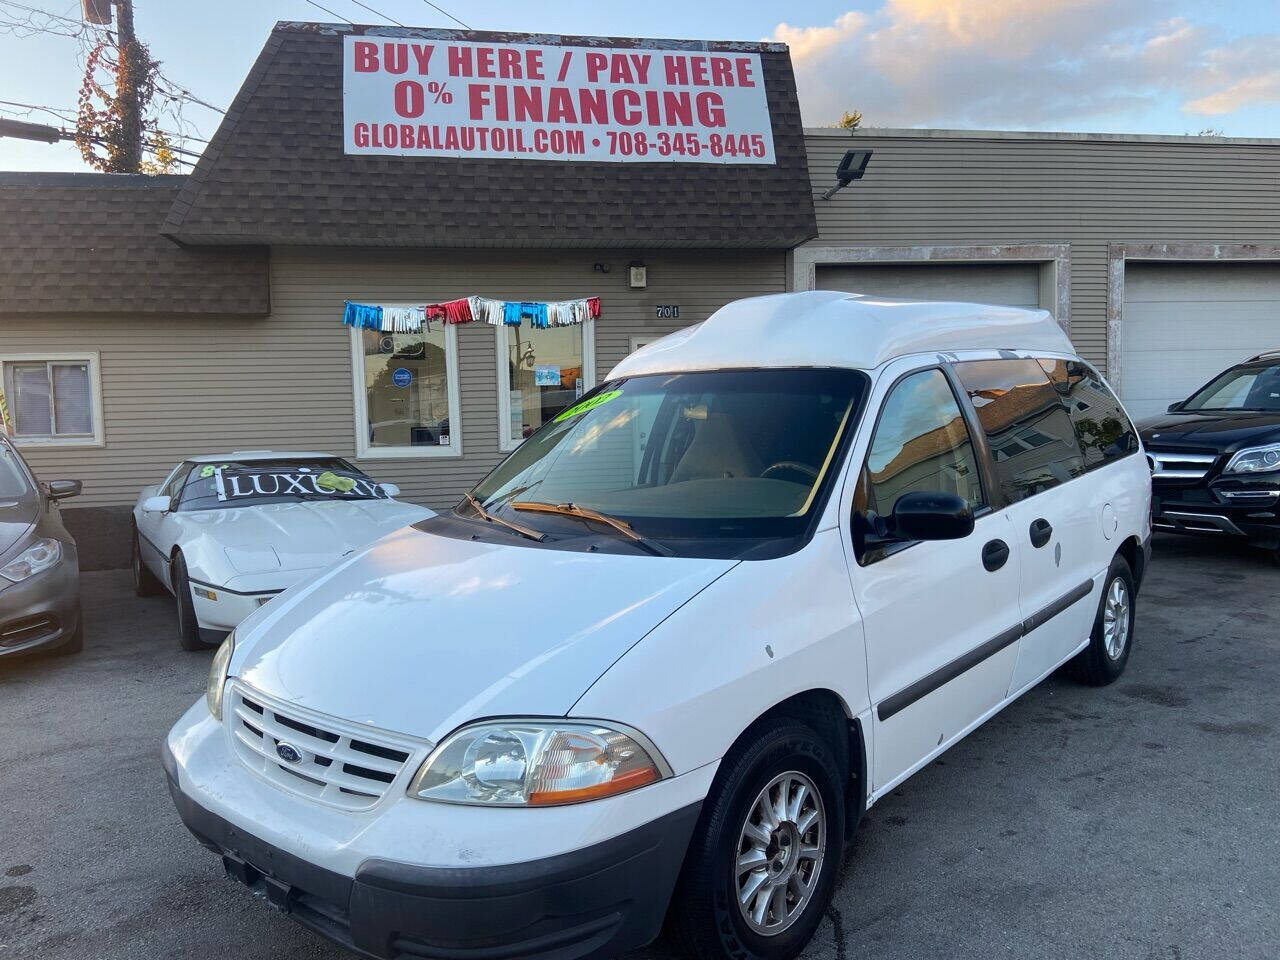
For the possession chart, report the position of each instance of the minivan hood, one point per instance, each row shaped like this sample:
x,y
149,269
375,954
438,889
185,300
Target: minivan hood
x,y
1223,430
420,633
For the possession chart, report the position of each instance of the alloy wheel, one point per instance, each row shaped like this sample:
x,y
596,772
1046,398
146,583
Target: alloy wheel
x,y
1115,618
779,853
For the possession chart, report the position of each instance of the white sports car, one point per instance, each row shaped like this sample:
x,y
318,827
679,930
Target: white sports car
x,y
227,533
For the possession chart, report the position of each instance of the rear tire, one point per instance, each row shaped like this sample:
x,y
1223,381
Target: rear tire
x,y
737,857
1104,659
188,626
145,583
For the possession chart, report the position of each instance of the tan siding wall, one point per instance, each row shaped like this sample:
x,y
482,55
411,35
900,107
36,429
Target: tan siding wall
x,y
174,387
935,189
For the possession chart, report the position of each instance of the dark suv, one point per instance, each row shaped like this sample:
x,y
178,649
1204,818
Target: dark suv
x,y
1215,457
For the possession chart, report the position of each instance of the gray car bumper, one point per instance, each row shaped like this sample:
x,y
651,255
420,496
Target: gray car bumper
x,y
42,612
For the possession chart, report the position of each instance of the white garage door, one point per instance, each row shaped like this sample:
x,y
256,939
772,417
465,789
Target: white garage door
x,y
1184,322
1008,284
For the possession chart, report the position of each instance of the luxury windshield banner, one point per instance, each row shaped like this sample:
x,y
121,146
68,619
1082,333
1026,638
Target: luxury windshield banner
x,y
242,483
407,97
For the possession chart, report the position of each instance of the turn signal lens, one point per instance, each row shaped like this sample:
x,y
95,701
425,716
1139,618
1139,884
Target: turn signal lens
x,y
532,763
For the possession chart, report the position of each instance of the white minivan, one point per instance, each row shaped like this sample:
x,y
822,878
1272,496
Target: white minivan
x,y
652,670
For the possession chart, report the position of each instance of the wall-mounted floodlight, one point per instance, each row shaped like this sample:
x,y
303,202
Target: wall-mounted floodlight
x,y
852,166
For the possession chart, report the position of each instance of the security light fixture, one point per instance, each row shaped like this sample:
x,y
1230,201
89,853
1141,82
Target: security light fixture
x,y
852,166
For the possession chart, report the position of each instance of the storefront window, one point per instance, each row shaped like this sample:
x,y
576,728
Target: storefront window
x,y
406,393
540,373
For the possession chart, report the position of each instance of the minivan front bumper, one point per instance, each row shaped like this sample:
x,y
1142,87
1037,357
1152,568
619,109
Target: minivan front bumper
x,y
598,900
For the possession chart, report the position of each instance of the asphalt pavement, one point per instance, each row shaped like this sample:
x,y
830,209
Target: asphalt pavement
x,y
1134,821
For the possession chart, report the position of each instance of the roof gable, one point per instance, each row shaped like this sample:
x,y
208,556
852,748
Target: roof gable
x,y
276,171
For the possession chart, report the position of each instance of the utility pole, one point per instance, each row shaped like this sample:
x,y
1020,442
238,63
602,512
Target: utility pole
x,y
124,151
127,78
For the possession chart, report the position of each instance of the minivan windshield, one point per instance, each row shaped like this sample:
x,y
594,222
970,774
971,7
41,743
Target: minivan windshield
x,y
1250,386
723,455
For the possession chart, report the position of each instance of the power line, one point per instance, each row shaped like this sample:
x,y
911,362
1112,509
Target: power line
x,y
440,9
373,11
43,13
176,92
329,12
25,21
62,114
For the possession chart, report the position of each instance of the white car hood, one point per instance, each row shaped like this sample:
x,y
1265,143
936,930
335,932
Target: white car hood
x,y
229,543
421,633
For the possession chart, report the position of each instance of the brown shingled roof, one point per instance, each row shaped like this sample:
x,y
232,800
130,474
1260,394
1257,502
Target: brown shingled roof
x,y
90,243
276,173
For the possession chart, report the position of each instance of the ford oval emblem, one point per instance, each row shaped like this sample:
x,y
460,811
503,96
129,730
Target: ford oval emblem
x,y
288,753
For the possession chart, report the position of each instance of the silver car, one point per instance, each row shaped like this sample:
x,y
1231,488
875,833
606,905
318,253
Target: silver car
x,y
39,567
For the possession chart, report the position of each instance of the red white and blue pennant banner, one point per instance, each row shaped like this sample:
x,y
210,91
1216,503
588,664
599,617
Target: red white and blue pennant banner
x,y
511,313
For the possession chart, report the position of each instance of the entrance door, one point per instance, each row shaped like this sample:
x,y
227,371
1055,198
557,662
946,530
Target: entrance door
x,y
941,617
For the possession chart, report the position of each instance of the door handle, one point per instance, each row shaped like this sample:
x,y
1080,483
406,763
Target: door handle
x,y
1041,531
994,555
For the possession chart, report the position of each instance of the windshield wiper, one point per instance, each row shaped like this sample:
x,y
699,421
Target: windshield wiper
x,y
519,528
584,513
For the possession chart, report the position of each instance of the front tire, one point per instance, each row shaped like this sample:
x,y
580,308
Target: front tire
x,y
1104,659
188,626
762,865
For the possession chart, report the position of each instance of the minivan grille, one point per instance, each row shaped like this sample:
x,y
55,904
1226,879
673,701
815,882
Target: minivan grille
x,y
319,759
1180,464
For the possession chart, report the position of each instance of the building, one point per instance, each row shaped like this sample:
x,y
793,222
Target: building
x,y
148,319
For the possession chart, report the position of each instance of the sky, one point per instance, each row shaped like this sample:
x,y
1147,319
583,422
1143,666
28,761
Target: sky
x,y
1114,66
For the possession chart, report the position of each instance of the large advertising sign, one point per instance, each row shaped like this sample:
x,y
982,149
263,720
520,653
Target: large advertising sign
x,y
451,98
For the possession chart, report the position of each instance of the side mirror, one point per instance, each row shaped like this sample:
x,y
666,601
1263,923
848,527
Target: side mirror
x,y
1175,406
931,516
390,489
156,505
61,489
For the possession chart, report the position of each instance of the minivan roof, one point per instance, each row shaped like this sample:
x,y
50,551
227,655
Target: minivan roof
x,y
826,328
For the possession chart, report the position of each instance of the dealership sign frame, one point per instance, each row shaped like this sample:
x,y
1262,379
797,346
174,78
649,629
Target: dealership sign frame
x,y
416,97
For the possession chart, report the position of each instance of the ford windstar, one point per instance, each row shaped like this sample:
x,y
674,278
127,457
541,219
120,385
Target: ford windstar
x,y
651,671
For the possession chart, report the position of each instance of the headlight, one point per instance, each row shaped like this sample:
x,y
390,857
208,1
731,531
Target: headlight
x,y
536,763
218,675
41,555
1255,460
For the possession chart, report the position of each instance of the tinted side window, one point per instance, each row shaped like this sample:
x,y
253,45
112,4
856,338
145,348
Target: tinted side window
x,y
921,443
1102,428
1031,437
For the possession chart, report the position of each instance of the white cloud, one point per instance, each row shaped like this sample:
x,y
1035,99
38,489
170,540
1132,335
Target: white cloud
x,y
1022,63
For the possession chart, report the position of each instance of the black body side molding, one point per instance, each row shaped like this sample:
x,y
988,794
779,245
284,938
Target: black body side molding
x,y
897,702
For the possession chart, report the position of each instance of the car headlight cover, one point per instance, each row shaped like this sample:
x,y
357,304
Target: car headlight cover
x,y
218,675
1256,460
537,763
41,555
